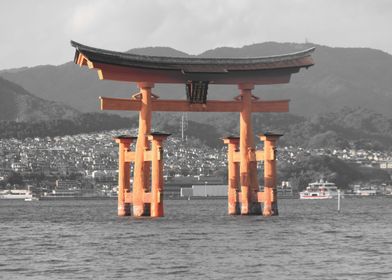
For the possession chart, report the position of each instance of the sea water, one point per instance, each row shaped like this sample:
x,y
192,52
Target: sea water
x,y
196,240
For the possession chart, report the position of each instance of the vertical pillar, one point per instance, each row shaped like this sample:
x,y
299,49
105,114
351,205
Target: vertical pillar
x,y
248,169
232,187
124,209
157,174
254,182
142,168
270,193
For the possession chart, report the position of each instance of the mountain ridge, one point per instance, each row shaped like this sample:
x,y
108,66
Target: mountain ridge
x,y
16,103
341,77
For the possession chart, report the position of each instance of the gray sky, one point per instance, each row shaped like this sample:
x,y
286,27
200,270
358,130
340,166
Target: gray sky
x,y
38,32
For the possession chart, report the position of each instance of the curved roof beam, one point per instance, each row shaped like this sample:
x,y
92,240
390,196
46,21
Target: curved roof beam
x,y
122,66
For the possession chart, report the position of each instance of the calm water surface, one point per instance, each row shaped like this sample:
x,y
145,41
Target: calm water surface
x,y
196,240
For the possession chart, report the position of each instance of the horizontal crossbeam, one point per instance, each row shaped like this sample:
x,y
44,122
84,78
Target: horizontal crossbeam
x,y
165,105
146,197
130,156
261,197
256,156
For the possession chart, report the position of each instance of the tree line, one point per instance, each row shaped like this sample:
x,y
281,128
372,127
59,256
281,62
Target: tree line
x,y
84,123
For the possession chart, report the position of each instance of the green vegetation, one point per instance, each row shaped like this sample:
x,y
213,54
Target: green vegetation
x,y
345,129
84,123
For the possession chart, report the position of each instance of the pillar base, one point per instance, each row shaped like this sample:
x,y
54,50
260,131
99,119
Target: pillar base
x,y
271,210
124,210
141,210
234,208
138,210
254,208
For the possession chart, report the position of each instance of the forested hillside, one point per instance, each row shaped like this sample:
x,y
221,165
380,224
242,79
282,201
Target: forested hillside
x,y
84,123
347,128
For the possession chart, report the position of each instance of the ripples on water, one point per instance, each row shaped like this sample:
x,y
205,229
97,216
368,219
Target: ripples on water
x,y
196,240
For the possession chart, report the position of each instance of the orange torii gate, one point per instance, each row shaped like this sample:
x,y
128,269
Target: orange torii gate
x,y
244,196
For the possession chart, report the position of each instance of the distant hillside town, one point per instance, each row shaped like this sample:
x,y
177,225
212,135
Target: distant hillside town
x,y
87,164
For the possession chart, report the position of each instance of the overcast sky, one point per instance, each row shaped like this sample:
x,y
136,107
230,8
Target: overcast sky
x,y
38,32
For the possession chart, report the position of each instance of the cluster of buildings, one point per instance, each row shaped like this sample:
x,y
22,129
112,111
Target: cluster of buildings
x,y
88,162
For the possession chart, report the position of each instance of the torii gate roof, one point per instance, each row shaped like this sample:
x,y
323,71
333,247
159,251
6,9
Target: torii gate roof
x,y
129,67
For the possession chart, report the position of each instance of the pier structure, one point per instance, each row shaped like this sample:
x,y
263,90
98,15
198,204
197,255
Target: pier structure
x,y
146,193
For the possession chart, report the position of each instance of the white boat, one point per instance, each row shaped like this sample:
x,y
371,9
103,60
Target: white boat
x,y
320,190
16,194
63,193
366,192
32,198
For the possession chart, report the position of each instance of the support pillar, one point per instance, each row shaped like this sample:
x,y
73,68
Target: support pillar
x,y
142,167
124,208
157,173
248,169
233,176
270,193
